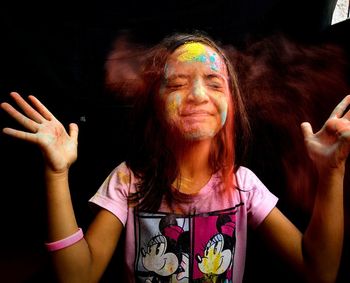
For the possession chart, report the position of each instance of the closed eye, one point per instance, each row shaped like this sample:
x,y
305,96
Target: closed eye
x,y
216,86
215,81
176,81
175,86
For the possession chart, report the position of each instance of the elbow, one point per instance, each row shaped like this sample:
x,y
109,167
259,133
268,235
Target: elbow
x,y
321,276
321,279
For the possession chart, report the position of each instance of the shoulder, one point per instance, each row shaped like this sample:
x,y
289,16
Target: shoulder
x,y
247,179
121,167
121,178
122,174
252,189
258,199
113,194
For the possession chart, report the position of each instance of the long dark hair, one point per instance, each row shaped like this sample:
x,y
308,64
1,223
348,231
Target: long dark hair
x,y
152,159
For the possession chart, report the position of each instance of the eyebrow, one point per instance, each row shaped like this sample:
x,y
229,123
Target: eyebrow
x,y
207,76
177,76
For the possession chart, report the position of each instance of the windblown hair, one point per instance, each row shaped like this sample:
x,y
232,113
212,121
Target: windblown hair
x,y
152,159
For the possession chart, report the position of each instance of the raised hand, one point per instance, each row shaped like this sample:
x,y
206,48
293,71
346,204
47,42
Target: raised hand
x,y
330,146
58,147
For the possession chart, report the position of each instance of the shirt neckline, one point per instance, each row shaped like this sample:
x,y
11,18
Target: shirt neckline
x,y
179,196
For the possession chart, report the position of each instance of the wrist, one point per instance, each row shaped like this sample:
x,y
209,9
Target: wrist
x,y
330,182
330,171
56,174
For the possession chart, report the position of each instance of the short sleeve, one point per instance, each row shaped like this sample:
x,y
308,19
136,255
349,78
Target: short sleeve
x,y
258,199
113,193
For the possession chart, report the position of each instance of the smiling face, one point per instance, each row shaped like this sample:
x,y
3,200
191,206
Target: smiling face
x,y
157,259
216,259
195,91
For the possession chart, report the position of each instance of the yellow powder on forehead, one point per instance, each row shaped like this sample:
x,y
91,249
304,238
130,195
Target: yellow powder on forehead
x,y
192,51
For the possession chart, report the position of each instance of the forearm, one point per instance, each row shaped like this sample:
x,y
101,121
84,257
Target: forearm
x,y
323,239
72,264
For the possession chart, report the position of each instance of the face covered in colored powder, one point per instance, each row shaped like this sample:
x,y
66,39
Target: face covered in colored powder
x,y
195,91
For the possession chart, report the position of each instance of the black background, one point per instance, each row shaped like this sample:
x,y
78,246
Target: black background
x,y
57,51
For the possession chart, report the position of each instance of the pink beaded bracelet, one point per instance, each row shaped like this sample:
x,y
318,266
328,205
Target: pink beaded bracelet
x,y
66,242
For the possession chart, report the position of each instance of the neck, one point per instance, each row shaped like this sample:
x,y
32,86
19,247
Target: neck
x,y
193,161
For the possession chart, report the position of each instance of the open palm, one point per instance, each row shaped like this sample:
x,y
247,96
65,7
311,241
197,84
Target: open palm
x,y
330,146
58,147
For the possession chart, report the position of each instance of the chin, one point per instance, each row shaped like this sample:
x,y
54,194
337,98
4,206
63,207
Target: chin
x,y
199,135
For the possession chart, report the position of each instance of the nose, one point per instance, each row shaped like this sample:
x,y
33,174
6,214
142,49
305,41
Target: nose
x,y
198,258
198,94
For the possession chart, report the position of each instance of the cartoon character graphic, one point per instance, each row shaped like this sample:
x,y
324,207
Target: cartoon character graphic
x,y
166,254
186,248
216,261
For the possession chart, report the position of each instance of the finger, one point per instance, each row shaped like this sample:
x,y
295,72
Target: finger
x,y
19,117
341,107
347,114
306,129
73,131
41,108
20,134
27,109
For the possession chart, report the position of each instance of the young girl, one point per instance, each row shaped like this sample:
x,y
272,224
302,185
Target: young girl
x,y
183,197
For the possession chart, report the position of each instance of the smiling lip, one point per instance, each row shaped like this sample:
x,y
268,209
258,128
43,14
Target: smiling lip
x,y
163,265
196,113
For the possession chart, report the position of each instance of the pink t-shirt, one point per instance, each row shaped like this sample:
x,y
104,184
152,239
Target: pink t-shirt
x,y
200,237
